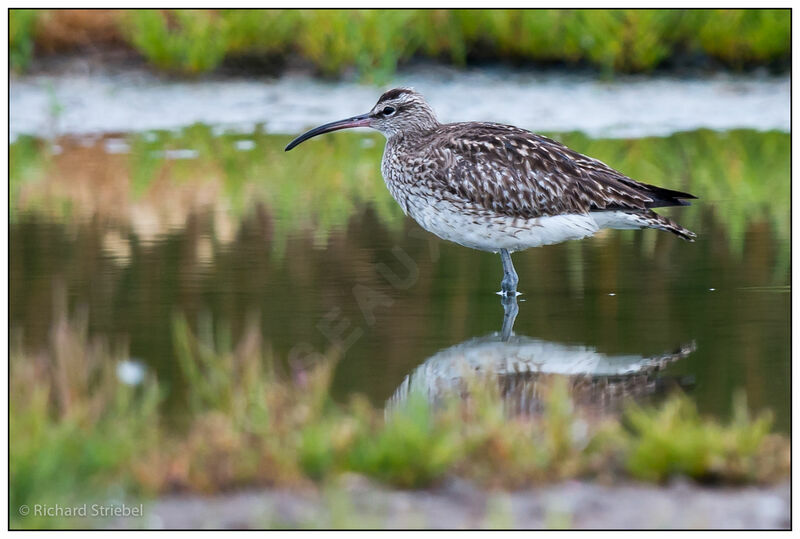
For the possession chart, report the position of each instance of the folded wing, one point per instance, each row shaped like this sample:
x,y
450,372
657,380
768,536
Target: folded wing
x,y
513,172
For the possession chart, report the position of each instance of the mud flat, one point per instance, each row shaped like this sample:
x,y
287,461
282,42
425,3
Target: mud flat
x,y
359,503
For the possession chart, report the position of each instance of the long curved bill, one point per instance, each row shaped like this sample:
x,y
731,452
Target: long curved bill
x,y
356,121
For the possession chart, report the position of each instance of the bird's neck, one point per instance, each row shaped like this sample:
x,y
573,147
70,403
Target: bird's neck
x,y
413,135
423,122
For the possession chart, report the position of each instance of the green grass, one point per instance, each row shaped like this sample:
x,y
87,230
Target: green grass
x,y
74,430
21,35
198,44
675,440
375,42
79,435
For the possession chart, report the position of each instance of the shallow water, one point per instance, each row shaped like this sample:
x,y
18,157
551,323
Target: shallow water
x,y
91,101
226,228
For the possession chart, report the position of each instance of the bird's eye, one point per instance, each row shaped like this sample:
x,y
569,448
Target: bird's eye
x,y
388,111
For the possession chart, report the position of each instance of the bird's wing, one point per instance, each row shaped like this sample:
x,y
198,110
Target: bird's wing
x,y
517,173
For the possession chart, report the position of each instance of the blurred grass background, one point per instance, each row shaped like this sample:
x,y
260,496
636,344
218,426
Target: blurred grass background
x,y
77,432
375,42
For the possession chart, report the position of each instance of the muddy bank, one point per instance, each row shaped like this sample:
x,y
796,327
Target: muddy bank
x,y
358,503
81,98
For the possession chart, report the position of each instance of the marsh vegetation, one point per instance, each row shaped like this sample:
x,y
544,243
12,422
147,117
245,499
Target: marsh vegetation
x,y
375,42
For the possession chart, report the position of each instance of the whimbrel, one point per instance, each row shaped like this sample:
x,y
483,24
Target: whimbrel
x,y
500,188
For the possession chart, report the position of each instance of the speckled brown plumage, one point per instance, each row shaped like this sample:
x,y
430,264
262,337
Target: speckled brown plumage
x,y
522,174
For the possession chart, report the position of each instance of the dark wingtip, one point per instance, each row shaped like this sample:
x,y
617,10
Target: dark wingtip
x,y
666,197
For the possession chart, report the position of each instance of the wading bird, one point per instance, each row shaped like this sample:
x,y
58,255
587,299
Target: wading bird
x,y
500,188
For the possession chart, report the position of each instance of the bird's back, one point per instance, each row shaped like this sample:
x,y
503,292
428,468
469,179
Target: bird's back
x,y
519,173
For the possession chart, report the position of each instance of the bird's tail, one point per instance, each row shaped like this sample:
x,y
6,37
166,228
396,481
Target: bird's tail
x,y
655,220
641,219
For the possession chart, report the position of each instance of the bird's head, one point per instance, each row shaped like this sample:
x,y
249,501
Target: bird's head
x,y
401,110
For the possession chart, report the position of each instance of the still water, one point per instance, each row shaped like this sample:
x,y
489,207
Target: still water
x,y
225,227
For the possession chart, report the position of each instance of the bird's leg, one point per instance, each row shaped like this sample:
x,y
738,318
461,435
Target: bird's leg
x,y
510,310
508,286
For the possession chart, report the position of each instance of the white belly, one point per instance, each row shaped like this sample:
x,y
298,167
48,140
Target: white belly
x,y
478,229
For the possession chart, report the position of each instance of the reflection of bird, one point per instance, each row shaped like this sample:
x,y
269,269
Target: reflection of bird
x,y
499,188
519,364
